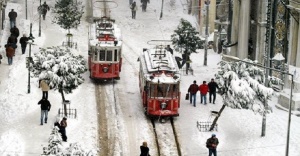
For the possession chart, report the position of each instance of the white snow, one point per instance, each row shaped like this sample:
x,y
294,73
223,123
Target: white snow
x,y
239,131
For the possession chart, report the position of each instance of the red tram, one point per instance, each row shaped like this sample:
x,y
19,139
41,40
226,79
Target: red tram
x,y
159,81
105,49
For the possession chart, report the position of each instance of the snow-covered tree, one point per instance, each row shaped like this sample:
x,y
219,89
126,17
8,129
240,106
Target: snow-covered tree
x,y
54,143
242,87
186,40
60,68
76,149
68,15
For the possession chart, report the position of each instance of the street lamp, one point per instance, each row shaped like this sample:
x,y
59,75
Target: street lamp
x,y
29,58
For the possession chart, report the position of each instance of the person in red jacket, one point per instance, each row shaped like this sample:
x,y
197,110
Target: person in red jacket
x,y
193,89
203,91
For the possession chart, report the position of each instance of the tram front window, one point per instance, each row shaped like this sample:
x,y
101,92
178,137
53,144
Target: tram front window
x,y
102,55
164,90
109,55
116,55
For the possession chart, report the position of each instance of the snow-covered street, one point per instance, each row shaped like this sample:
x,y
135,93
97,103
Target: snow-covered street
x,y
239,131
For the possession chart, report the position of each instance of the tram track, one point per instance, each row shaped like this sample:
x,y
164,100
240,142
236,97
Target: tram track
x,y
160,142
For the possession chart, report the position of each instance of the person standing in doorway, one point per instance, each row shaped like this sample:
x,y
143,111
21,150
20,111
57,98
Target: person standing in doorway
x,y
193,89
133,8
12,18
63,126
212,86
144,149
45,108
45,88
23,41
212,144
203,91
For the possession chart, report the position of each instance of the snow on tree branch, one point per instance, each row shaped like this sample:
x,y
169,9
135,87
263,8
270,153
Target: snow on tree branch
x,y
59,67
243,86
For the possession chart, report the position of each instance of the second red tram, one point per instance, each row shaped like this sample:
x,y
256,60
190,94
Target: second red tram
x,y
105,49
159,81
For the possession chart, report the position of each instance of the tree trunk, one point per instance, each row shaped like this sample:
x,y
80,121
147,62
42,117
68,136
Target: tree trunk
x,y
216,119
63,101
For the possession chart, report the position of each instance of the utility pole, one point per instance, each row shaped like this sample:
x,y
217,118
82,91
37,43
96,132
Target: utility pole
x,y
26,8
207,2
29,59
3,5
161,12
40,14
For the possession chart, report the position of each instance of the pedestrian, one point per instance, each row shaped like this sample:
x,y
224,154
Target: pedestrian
x,y
144,5
10,53
45,108
45,88
193,89
15,31
12,40
23,41
212,144
144,149
63,125
168,48
133,8
203,91
44,10
12,18
212,86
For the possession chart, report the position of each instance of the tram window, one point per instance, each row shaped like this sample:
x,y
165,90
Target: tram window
x,y
102,55
160,90
116,55
108,55
95,55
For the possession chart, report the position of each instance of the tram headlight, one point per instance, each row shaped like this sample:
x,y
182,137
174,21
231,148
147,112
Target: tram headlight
x,y
105,69
163,105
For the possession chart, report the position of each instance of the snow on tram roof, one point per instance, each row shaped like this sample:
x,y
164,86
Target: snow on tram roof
x,y
159,59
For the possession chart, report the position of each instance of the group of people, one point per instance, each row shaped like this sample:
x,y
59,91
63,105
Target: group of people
x,y
211,144
45,108
134,8
204,88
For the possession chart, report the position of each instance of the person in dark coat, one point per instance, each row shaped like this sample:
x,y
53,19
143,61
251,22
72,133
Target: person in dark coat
x,y
15,31
44,10
212,144
144,5
63,125
193,89
133,8
45,108
23,41
144,149
10,53
12,40
12,18
203,91
212,86
169,49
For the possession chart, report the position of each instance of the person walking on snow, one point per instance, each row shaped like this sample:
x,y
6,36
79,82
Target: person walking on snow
x,y
212,144
144,149
12,18
10,53
203,91
133,8
63,125
45,88
193,89
44,10
212,86
23,41
45,108
15,31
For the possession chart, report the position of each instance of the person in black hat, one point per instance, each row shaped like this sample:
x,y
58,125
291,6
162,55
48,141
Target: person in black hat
x,y
212,144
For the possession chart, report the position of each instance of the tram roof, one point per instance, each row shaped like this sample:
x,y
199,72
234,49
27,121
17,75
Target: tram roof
x,y
159,60
95,33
